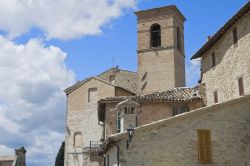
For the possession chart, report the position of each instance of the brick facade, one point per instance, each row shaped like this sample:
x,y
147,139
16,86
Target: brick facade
x,y
160,68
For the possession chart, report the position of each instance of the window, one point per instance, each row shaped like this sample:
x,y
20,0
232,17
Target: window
x,y
155,34
241,86
112,79
137,121
179,110
213,59
144,76
77,139
118,122
92,94
107,160
144,85
204,146
178,39
129,110
215,97
235,35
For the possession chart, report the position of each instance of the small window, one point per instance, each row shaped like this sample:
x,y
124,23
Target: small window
x,y
137,121
213,59
118,122
107,160
204,146
144,76
179,110
241,86
92,94
129,110
215,96
144,85
178,39
235,35
112,79
77,139
155,34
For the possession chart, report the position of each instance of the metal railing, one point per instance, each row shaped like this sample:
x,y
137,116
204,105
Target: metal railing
x,y
93,146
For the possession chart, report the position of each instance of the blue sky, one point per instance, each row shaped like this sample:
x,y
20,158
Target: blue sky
x,y
46,46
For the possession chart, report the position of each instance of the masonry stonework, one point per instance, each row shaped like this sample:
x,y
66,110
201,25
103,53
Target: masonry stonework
x,y
82,119
123,78
174,141
232,62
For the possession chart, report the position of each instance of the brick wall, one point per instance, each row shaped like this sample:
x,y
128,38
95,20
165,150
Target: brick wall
x,y
163,67
148,112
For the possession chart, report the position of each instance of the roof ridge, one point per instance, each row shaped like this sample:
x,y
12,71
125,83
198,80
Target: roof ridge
x,y
217,35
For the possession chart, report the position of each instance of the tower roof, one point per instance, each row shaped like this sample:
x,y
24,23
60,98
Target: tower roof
x,y
160,11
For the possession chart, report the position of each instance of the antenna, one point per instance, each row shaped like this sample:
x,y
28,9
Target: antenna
x,y
113,61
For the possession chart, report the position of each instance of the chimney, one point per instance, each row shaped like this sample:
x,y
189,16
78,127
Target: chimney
x,y
208,38
20,154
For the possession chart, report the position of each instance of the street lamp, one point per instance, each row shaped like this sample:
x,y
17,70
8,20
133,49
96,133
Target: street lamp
x,y
130,135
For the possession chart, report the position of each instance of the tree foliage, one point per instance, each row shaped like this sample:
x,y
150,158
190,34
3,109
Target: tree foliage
x,y
60,156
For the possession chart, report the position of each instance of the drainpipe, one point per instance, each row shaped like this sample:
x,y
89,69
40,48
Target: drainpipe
x,y
117,154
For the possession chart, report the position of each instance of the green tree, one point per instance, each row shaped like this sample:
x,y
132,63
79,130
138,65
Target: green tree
x,y
60,156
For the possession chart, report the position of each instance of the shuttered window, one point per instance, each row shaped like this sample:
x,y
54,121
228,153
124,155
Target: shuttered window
x,y
215,97
241,86
204,146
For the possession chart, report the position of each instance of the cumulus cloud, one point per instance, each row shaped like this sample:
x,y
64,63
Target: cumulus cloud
x,y
61,19
32,101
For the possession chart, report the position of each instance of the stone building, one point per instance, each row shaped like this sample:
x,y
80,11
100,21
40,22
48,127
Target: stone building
x,y
217,134
82,128
123,112
225,60
161,67
18,159
148,117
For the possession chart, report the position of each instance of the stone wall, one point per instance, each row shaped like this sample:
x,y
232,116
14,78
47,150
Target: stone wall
x,y
232,62
123,78
174,141
82,118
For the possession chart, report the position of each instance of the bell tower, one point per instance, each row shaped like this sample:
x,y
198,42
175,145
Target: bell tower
x,y
160,53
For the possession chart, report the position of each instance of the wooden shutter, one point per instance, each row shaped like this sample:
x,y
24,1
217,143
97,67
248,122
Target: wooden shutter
x,y
204,146
241,86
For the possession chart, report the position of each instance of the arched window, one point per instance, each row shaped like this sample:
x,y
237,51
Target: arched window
x,y
155,34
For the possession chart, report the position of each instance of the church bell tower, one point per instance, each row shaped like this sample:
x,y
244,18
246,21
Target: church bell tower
x,y
161,54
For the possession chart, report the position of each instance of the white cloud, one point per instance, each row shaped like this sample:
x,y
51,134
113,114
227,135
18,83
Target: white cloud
x,y
4,150
61,19
32,101
193,72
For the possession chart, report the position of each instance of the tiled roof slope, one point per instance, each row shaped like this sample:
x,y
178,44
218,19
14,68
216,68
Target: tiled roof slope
x,y
174,95
216,37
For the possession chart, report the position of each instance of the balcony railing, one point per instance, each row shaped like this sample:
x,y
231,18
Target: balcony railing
x,y
93,146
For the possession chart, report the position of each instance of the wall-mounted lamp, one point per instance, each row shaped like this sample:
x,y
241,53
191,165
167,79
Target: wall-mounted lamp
x,y
130,135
